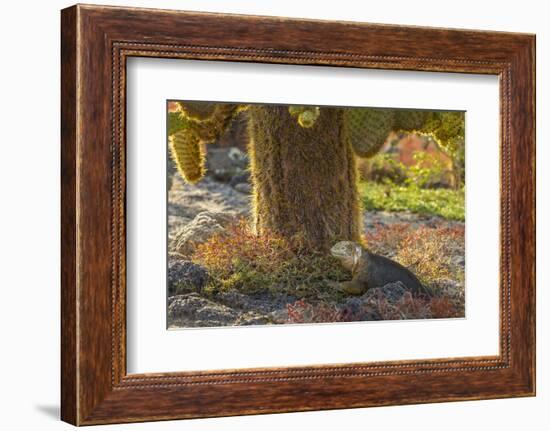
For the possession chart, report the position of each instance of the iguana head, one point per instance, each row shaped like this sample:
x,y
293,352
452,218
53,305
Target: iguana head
x,y
348,252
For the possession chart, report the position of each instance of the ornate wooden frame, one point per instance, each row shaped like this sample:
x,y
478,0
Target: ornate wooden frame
x,y
96,41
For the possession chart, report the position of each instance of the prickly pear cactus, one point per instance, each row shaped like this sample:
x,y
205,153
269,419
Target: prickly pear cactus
x,y
410,119
305,115
190,128
199,123
446,127
175,122
188,155
196,111
368,129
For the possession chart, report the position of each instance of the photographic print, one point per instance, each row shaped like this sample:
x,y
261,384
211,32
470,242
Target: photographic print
x,y
288,214
300,198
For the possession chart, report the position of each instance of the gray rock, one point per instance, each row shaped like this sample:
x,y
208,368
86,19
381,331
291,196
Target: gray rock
x,y
244,188
186,201
447,287
279,316
218,159
225,162
262,302
392,292
222,175
238,157
184,275
240,178
356,310
365,307
200,230
250,319
192,310
458,260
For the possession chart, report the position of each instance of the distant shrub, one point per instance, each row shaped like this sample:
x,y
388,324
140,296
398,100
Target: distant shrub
x,y
427,171
384,168
424,169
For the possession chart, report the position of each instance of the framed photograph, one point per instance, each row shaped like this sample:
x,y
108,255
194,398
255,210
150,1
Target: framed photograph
x,y
264,215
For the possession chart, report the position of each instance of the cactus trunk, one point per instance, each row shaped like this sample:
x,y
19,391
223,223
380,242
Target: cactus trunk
x,y
304,178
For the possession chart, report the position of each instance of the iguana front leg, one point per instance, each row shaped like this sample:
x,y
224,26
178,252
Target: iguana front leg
x,y
353,287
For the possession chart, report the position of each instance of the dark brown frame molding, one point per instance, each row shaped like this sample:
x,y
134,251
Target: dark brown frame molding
x,y
95,43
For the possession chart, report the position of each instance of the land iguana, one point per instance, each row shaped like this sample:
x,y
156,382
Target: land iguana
x,y
371,270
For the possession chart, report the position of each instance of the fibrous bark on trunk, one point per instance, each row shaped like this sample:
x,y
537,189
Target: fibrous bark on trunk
x,y
304,178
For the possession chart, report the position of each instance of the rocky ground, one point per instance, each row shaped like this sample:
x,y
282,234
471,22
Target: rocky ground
x,y
196,212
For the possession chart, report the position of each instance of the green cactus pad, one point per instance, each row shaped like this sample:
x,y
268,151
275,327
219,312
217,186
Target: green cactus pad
x,y
368,129
305,115
308,117
197,111
295,110
211,129
188,155
410,119
446,126
176,122
188,134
